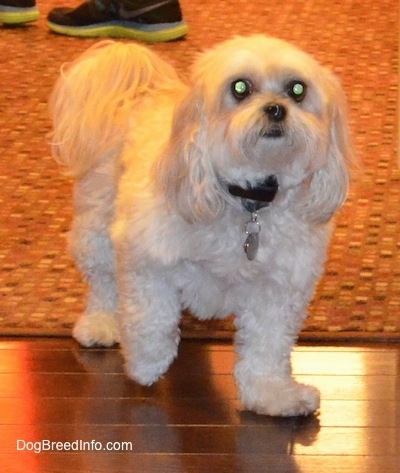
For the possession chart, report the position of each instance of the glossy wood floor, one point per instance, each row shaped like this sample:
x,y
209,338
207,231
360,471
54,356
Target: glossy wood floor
x,y
51,390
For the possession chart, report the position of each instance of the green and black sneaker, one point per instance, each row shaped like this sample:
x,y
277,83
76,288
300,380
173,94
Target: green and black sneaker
x,y
15,12
143,20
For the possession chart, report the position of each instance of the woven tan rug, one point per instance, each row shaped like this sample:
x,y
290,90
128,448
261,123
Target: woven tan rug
x,y
359,295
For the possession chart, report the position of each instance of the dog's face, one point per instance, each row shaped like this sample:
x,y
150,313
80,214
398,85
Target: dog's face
x,y
269,108
259,107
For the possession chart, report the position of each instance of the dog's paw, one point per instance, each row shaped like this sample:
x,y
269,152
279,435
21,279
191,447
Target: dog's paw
x,y
96,330
279,397
147,363
147,374
144,374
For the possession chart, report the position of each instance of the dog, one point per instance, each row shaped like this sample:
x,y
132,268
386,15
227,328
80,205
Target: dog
x,y
215,196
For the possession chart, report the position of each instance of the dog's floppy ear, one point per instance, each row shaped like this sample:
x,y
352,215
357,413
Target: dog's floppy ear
x,y
185,172
329,185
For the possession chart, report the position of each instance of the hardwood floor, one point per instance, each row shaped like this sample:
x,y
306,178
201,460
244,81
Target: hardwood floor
x,y
51,390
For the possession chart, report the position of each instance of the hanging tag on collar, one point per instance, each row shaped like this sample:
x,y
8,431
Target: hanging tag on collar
x,y
252,241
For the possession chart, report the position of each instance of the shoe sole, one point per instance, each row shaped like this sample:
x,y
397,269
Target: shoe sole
x,y
145,33
16,16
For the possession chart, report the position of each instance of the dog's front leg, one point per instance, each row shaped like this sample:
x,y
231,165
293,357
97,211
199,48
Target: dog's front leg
x,y
148,315
264,341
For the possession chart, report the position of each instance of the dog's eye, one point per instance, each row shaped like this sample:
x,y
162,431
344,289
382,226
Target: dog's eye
x,y
241,89
297,90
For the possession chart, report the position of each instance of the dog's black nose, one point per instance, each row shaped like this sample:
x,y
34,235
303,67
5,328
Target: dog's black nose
x,y
275,112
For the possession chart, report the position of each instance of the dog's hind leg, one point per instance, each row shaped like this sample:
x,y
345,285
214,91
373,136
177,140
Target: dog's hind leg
x,y
97,325
90,245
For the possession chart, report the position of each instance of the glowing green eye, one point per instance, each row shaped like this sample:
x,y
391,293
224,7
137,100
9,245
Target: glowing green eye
x,y
297,90
241,89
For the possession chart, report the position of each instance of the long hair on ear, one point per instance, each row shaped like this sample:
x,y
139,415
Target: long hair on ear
x,y
93,98
329,185
184,171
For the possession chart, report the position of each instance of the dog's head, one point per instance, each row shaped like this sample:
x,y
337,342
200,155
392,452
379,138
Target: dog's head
x,y
258,107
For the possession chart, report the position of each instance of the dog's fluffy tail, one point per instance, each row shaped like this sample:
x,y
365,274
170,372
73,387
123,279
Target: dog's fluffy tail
x,y
93,98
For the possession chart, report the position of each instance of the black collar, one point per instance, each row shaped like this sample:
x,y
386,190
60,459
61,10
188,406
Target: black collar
x,y
258,196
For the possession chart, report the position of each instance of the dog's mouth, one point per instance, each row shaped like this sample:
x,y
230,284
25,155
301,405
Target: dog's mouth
x,y
273,132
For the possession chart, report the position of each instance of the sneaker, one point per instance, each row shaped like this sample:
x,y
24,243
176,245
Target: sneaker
x,y
14,12
149,21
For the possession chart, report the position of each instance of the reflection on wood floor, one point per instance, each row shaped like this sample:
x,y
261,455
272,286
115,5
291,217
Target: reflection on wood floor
x,y
54,391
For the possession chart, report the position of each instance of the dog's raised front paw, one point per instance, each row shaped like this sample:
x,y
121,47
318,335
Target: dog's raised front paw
x,y
278,397
147,374
147,363
96,330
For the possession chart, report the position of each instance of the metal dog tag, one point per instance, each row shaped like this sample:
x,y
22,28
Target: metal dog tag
x,y
252,241
251,246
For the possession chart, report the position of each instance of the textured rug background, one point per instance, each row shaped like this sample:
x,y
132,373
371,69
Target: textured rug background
x,y
359,295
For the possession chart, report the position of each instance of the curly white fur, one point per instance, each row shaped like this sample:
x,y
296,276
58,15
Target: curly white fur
x,y
155,228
